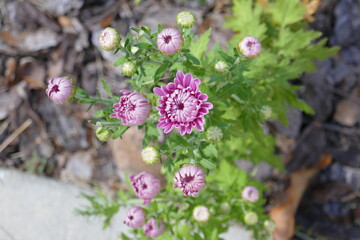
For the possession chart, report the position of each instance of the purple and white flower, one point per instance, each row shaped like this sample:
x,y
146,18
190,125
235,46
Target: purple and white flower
x,y
190,179
250,47
169,41
182,104
135,217
60,89
250,194
152,229
146,186
132,109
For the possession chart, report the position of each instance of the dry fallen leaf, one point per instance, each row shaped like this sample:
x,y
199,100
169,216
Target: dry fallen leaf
x,y
284,213
127,153
311,7
347,112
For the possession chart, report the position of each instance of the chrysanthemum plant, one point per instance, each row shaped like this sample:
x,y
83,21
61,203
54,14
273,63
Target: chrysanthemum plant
x,y
211,105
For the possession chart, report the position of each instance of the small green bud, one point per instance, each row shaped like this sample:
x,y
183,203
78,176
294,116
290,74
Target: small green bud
x,y
109,39
128,68
251,218
214,134
221,67
186,19
225,207
103,135
266,112
150,155
269,225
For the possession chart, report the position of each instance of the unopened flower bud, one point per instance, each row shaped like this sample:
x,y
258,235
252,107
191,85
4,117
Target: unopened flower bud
x,y
201,213
269,225
251,218
128,69
135,217
250,194
266,112
214,134
186,19
169,41
134,49
153,228
225,207
221,67
60,89
250,47
102,134
109,39
150,155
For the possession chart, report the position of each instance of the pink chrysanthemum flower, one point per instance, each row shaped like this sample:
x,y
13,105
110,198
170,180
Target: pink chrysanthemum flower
x,y
152,230
60,90
169,41
135,217
132,109
250,194
146,186
182,104
190,179
250,47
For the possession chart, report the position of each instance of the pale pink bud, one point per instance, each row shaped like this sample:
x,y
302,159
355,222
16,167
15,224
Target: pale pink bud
x,y
169,41
152,229
132,109
60,89
190,179
146,186
250,194
109,39
201,213
250,47
135,217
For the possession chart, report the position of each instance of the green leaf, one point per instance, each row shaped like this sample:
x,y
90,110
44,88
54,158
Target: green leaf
x,y
199,47
285,12
120,131
99,114
107,88
207,164
247,20
211,151
161,70
120,61
193,59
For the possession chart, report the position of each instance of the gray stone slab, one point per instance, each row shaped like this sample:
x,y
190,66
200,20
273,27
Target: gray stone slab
x,y
37,208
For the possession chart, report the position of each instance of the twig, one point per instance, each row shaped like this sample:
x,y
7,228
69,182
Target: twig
x,y
15,134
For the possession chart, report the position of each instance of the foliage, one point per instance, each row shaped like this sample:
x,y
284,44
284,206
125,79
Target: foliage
x,y
238,96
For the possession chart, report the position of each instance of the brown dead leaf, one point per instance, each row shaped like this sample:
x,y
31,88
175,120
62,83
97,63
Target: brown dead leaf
x,y
284,213
32,72
106,21
347,112
127,154
263,3
65,22
311,7
10,71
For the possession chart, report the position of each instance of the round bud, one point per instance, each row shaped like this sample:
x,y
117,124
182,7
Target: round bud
x,y
128,69
250,47
269,225
150,155
102,134
186,19
250,194
221,67
60,89
266,112
201,213
251,218
109,39
214,134
225,207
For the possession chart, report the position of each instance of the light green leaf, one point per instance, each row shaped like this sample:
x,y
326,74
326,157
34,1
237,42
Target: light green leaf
x,y
285,12
198,48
